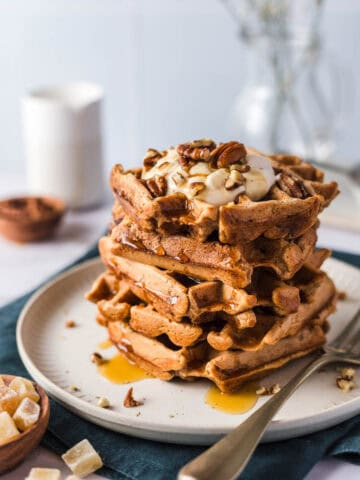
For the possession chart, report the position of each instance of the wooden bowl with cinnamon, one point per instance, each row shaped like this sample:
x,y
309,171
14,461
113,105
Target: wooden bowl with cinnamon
x,y
16,449
30,218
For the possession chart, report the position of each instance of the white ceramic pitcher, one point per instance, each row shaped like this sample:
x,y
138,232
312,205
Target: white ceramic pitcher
x,y
63,143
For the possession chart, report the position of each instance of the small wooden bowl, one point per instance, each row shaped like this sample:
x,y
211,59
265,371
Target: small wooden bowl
x,y
14,451
30,219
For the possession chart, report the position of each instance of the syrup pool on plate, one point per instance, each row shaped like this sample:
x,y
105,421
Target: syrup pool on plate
x,y
118,370
234,403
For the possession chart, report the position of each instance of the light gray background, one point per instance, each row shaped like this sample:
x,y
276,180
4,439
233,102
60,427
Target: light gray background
x,y
170,68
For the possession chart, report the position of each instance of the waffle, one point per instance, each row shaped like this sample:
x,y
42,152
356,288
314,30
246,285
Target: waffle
x,y
212,260
157,356
224,332
249,330
269,329
211,266
198,313
177,296
228,370
288,210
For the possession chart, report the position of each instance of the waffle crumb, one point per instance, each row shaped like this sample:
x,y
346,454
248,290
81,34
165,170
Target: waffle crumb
x,y
70,324
129,400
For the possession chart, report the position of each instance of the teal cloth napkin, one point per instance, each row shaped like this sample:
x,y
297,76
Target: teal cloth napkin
x,y
128,458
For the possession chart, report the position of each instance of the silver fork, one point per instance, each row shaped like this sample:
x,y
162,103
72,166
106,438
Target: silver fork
x,y
227,458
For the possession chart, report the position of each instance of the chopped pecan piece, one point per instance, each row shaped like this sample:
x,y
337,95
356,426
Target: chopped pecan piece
x,y
347,373
243,167
97,358
178,178
268,390
129,400
345,385
151,157
157,185
342,295
234,181
227,154
70,324
196,150
164,165
262,391
196,187
203,142
73,388
275,389
291,185
103,402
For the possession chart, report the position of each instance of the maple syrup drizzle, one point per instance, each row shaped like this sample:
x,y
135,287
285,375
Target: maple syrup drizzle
x,y
105,345
233,403
118,370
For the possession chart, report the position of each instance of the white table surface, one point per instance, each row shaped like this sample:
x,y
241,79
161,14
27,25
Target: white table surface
x,y
25,266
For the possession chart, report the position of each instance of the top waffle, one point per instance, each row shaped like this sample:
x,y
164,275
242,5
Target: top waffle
x,y
200,189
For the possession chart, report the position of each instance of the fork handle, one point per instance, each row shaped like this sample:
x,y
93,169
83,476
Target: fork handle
x,y
228,457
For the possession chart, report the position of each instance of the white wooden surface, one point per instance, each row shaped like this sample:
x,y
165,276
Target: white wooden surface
x,y
25,266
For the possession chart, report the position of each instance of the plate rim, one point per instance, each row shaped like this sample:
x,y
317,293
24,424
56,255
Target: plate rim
x,y
277,428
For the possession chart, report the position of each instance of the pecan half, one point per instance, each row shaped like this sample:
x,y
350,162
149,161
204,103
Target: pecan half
x,y
186,163
151,157
227,154
157,185
291,185
196,150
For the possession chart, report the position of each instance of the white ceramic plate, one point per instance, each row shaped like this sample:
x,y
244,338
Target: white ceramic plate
x,y
173,411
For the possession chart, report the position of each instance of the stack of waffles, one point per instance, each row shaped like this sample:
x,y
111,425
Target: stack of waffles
x,y
211,265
